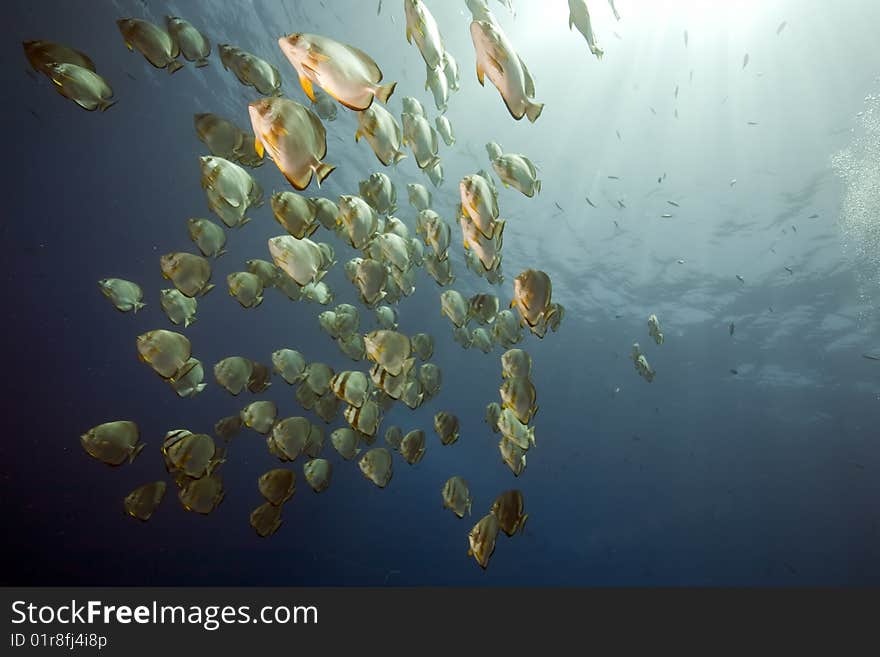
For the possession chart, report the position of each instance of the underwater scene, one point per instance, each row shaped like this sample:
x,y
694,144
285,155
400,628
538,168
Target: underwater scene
x,y
442,293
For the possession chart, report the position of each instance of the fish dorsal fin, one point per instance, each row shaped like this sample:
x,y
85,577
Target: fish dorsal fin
x,y
530,83
319,129
369,64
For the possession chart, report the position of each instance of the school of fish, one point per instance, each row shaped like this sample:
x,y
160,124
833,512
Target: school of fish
x,y
388,364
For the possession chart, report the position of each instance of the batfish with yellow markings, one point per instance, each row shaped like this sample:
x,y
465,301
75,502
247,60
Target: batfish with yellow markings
x,y
346,73
293,136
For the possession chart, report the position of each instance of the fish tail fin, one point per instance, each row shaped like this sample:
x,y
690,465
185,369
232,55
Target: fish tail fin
x,y
397,157
137,450
201,387
322,171
384,91
201,62
533,110
174,66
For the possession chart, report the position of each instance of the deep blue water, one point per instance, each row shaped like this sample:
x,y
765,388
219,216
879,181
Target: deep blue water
x,y
763,478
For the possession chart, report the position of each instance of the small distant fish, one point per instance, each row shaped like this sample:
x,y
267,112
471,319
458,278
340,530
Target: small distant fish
x,y
589,201
664,175
676,91
614,177
789,270
772,250
666,215
618,133
379,10
617,35
746,60
34,114
620,203
871,356
676,112
781,27
770,308
731,328
673,203
753,123
813,216
732,182
558,206
131,76
733,371
685,38
794,228
681,262
691,76
653,111
659,179
740,278
618,316
616,225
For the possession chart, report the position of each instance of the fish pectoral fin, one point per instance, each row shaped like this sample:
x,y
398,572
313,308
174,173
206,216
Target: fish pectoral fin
x,y
497,64
306,85
129,46
317,56
408,35
480,74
